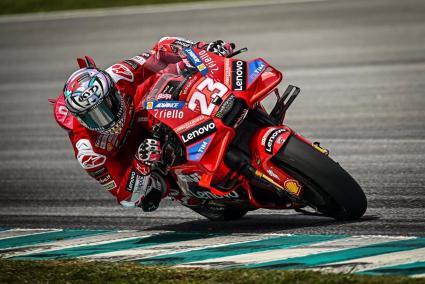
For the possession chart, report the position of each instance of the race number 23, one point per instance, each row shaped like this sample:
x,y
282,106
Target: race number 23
x,y
200,98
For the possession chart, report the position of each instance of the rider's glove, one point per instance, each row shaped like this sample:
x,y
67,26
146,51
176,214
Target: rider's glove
x,y
149,151
220,47
147,191
155,189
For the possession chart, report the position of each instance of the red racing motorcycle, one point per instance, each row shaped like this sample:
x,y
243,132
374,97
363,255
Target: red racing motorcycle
x,y
225,155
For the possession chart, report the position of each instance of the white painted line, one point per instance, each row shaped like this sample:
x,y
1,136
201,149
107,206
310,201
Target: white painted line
x,y
299,251
24,232
79,242
373,262
183,246
418,275
148,9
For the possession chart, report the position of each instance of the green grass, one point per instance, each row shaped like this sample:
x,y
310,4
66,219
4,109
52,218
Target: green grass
x,y
101,272
28,6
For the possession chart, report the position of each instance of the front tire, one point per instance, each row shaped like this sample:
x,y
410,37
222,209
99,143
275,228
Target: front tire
x,y
327,186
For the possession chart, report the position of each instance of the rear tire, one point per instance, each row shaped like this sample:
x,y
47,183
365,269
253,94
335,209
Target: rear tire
x,y
327,186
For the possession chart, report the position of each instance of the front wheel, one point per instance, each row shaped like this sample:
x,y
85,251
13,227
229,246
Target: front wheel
x,y
327,186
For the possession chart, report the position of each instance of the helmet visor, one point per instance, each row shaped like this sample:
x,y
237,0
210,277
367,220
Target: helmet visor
x,y
105,115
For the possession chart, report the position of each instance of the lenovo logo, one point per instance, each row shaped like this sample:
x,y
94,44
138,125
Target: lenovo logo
x,y
271,139
239,75
198,132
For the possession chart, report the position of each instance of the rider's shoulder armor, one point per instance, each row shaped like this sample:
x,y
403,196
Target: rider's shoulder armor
x,y
62,115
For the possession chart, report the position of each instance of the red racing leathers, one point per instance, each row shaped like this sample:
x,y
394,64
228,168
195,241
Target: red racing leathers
x,y
110,158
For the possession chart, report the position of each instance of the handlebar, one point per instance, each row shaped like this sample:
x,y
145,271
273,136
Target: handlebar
x,y
238,52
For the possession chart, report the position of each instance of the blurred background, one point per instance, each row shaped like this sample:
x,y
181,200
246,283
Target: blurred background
x,y
360,66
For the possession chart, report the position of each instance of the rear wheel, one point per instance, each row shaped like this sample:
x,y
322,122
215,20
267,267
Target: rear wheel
x,y
327,186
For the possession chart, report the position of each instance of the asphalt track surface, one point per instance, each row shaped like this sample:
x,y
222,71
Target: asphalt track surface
x,y
360,65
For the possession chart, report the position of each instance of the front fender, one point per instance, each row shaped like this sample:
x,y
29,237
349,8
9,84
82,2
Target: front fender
x,y
269,140
265,144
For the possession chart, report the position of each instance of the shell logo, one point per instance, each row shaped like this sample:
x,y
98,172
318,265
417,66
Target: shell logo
x,y
149,105
293,186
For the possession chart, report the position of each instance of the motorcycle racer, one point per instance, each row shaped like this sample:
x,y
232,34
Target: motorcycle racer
x,y
108,125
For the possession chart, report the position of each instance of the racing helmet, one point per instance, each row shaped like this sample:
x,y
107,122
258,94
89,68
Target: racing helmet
x,y
92,97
